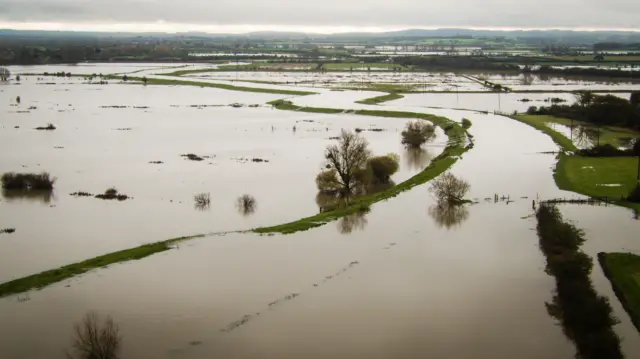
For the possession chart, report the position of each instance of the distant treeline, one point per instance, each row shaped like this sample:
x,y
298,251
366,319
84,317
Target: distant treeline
x,y
600,110
548,70
456,62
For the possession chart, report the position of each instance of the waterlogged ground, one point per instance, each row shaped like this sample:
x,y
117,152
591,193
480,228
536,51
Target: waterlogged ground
x,y
405,280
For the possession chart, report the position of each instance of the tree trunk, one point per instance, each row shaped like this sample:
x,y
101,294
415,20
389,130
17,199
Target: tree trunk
x,y
638,179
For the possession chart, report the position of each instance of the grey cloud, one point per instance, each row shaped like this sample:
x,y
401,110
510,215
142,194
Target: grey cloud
x,y
383,13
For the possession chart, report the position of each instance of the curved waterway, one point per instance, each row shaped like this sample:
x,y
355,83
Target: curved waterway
x,y
406,280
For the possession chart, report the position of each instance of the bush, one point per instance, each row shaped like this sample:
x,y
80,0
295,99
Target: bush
x,y
202,200
328,182
417,133
27,181
466,123
380,169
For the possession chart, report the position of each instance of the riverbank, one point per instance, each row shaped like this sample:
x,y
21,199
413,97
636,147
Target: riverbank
x,y
623,269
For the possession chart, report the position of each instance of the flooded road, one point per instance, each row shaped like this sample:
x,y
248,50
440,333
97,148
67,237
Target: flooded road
x,y
404,280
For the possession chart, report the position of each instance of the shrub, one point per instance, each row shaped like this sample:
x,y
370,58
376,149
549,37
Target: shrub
x,y
466,123
202,200
328,182
605,151
27,181
417,133
381,168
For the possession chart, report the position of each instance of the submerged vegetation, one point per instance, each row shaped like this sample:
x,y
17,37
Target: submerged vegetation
x,y
112,193
202,201
95,338
586,317
7,230
27,181
623,270
246,204
450,189
48,127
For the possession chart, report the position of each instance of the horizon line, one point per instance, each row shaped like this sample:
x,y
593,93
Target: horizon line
x,y
176,28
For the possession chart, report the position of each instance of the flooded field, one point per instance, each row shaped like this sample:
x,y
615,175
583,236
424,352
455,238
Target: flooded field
x,y
407,279
529,82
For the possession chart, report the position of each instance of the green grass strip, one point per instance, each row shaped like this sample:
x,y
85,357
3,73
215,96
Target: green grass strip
x,y
380,99
43,279
623,270
455,147
153,81
534,121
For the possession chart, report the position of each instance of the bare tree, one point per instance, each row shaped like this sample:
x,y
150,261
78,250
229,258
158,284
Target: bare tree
x,y
202,201
448,188
348,158
95,338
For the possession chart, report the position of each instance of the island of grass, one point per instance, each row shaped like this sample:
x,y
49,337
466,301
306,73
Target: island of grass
x,y
154,81
380,99
609,178
43,279
623,270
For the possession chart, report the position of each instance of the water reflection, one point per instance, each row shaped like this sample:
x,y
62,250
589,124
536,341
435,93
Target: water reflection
x,y
246,205
417,159
448,215
354,222
585,136
28,195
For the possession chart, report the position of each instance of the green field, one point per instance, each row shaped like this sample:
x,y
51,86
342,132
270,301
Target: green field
x,y
613,177
539,122
623,270
591,175
380,99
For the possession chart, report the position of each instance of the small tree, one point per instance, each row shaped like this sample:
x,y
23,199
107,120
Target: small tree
x,y
380,169
18,78
416,133
246,204
96,339
125,78
144,79
448,188
347,159
18,100
466,123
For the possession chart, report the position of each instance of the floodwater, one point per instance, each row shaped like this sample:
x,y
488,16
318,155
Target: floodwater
x,y
97,146
406,280
531,82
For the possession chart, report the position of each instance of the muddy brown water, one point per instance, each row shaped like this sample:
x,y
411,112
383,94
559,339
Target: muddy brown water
x,y
399,284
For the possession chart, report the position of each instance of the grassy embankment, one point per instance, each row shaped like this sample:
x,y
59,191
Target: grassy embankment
x,y
586,317
380,99
591,176
40,280
623,270
153,81
455,148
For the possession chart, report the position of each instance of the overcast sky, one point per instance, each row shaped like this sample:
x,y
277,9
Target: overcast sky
x,y
325,15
